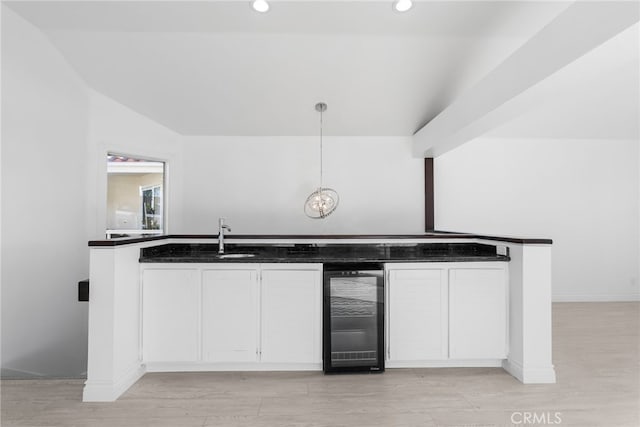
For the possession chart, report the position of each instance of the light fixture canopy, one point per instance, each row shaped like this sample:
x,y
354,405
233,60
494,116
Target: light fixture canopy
x,y
260,5
323,201
402,5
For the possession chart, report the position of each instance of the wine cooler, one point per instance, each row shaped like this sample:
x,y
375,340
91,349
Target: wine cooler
x,y
353,317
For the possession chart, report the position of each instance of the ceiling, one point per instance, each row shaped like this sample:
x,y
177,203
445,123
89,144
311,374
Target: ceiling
x,y
219,68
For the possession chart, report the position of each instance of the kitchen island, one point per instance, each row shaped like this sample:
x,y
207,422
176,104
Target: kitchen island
x,y
172,303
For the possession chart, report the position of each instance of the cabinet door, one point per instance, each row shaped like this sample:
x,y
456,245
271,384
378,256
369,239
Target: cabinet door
x,y
230,315
170,315
417,314
477,314
291,316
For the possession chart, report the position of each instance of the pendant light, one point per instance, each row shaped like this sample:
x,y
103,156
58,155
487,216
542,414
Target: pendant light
x,y
323,201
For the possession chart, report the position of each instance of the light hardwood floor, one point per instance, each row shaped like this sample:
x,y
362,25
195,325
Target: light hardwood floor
x,y
596,353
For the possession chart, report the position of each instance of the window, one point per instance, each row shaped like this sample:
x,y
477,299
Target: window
x,y
135,196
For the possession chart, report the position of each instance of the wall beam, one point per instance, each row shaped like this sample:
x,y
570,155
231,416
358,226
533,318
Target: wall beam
x,y
581,28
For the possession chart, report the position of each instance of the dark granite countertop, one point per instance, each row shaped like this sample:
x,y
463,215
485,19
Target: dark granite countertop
x,y
428,235
321,253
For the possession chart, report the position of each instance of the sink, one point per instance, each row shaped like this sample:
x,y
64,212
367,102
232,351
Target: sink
x,y
227,256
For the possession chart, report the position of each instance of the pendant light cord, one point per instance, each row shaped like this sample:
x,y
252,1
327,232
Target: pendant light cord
x,y
323,201
321,149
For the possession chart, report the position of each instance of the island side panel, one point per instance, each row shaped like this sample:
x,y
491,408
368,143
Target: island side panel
x,y
530,333
114,330
99,384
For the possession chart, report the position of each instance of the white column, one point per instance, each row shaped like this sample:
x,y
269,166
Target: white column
x,y
530,332
114,362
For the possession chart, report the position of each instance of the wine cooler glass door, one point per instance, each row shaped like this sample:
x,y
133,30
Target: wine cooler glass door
x,y
353,319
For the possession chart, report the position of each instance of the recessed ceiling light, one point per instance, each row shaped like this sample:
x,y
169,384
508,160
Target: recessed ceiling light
x,y
402,5
260,5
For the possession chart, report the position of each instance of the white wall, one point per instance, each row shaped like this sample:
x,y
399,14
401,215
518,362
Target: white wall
x,y
117,129
55,136
44,244
260,184
581,193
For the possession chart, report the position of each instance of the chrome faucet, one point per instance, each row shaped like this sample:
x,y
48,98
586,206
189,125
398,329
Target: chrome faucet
x,y
221,227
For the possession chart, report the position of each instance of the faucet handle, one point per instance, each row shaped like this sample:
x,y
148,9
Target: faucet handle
x,y
222,225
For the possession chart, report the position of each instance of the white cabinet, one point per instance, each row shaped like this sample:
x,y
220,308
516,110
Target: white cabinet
x,y
446,314
417,314
477,313
230,315
170,316
291,315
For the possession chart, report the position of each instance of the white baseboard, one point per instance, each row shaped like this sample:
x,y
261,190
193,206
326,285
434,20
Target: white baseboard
x,y
595,297
109,391
214,367
447,363
530,375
